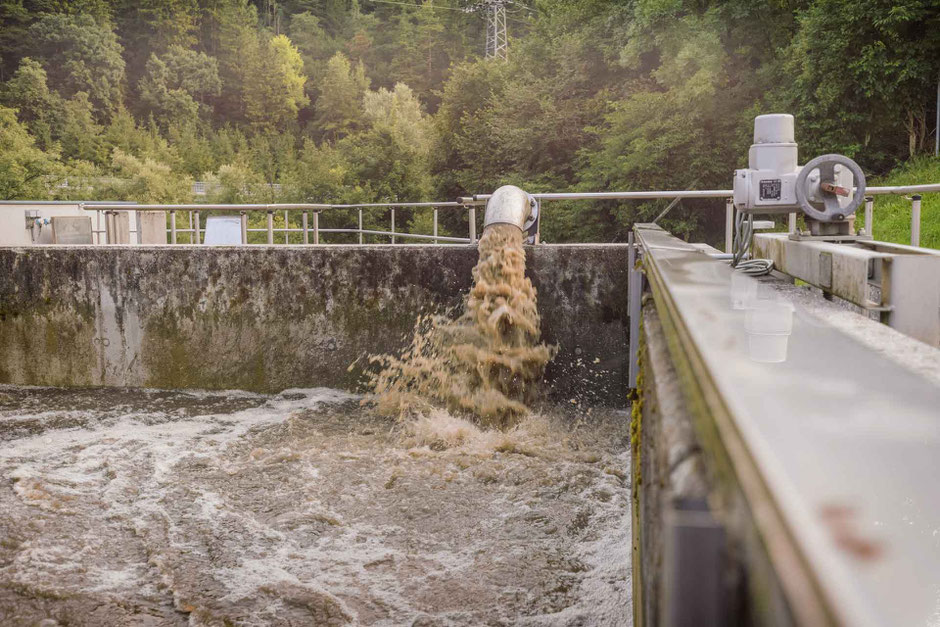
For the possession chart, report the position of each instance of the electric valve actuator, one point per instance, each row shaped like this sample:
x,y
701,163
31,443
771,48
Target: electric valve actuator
x,y
827,189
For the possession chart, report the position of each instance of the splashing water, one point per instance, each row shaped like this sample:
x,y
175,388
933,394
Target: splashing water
x,y
488,362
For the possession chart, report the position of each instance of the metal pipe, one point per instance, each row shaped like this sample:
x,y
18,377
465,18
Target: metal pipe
x,y
286,226
508,205
303,221
372,205
904,189
204,207
316,227
915,220
869,216
435,225
243,222
173,227
393,225
360,227
442,238
473,224
196,219
729,225
791,223
270,227
713,193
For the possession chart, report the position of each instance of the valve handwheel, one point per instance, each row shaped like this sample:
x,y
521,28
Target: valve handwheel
x,y
826,206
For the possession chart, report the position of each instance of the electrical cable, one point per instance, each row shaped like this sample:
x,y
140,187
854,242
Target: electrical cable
x,y
743,238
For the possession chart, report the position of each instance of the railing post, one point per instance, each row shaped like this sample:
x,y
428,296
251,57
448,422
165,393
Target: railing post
x,y
360,226
729,225
316,227
473,224
393,225
286,228
244,226
270,227
791,223
435,225
191,238
915,220
303,222
870,216
196,219
172,227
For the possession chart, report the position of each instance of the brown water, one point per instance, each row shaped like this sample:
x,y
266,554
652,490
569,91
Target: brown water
x,y
487,363
136,507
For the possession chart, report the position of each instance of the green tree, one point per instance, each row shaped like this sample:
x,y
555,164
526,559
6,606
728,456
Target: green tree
x,y
28,92
339,106
274,93
176,85
148,181
863,74
24,168
81,54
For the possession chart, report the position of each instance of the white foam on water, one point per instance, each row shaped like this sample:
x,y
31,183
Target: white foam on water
x,y
303,503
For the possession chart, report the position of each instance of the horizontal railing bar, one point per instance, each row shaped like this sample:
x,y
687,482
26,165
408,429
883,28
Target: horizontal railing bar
x,y
90,206
904,189
704,193
459,240
399,205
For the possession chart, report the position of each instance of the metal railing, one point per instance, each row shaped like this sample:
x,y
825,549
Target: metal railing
x,y
311,229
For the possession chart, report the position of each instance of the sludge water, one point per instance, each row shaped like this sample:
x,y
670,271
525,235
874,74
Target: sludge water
x,y
135,507
318,507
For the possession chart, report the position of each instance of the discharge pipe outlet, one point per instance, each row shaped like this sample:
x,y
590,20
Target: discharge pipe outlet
x,y
511,205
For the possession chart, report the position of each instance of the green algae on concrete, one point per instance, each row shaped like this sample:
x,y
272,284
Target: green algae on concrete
x,y
270,318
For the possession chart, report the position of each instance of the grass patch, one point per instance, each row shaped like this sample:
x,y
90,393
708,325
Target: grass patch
x,y
892,214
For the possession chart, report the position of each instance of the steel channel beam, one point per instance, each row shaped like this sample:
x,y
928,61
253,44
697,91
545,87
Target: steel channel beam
x,y
836,449
901,282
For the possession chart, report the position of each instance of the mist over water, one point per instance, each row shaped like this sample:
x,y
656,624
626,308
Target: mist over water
x,y
487,363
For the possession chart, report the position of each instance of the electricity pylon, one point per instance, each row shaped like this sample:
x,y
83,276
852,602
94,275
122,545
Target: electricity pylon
x,y
497,37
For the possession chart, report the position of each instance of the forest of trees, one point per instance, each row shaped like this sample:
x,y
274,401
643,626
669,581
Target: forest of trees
x,y
343,101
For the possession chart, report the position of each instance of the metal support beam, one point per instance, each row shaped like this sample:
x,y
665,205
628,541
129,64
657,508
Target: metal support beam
x,y
729,225
197,240
472,218
900,283
303,221
270,227
915,220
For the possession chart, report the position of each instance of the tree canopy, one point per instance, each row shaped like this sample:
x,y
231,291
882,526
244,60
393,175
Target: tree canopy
x,y
362,101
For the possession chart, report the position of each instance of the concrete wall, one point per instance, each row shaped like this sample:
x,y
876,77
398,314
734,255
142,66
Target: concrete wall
x,y
270,318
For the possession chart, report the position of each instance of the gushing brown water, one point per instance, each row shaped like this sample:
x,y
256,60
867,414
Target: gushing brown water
x,y
486,363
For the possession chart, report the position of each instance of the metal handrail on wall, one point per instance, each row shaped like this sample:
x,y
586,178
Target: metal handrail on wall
x,y
470,203
308,228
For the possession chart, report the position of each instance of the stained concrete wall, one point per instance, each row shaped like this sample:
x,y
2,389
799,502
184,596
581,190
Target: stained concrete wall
x,y
271,318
